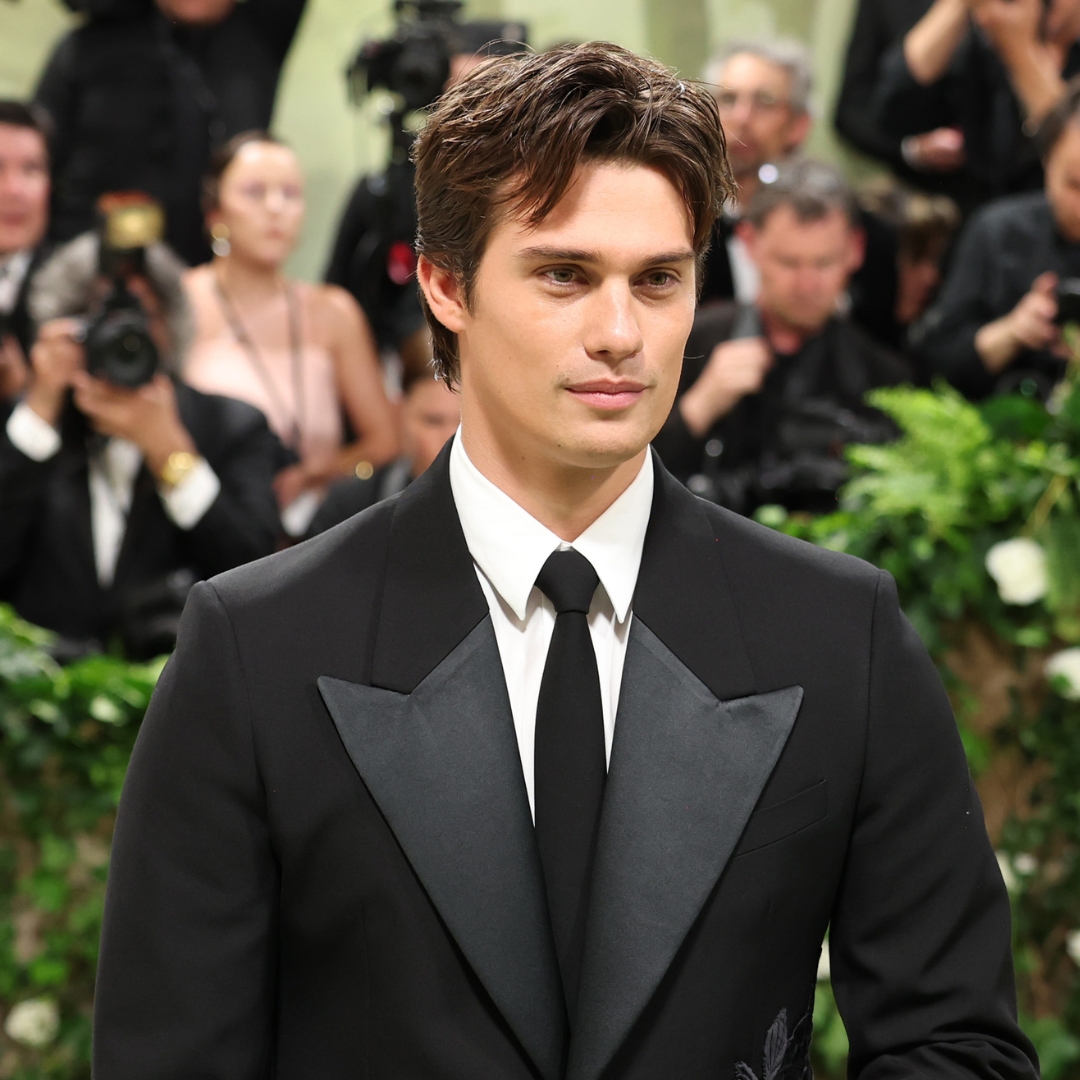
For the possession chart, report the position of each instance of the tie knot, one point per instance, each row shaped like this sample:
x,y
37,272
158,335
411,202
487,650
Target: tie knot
x,y
568,580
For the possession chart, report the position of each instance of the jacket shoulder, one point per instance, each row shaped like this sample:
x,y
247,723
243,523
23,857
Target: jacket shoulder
x,y
320,575
1001,217
754,550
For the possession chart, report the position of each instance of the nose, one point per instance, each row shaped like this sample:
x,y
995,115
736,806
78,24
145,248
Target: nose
x,y
613,332
275,200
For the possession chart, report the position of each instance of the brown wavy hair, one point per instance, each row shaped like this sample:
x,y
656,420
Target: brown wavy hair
x,y
510,136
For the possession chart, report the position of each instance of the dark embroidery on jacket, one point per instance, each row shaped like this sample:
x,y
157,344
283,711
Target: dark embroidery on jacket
x,y
786,1057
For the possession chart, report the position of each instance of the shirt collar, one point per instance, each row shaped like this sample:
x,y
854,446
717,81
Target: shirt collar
x,y
510,546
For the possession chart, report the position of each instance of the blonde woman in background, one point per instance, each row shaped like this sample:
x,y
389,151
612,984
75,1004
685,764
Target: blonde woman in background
x,y
301,353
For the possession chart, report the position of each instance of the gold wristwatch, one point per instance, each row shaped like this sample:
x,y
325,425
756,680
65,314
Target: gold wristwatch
x,y
178,465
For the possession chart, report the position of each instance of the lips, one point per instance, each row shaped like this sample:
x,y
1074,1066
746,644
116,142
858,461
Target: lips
x,y
609,395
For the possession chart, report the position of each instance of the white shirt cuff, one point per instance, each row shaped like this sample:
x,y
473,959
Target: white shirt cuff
x,y
193,496
32,436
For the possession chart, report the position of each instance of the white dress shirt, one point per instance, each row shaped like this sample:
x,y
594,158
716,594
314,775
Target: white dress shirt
x,y
745,276
509,547
112,474
12,274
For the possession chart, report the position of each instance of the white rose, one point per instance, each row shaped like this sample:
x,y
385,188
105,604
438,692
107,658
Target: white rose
x,y
824,968
1019,568
34,1022
1066,664
1026,863
1072,946
1012,883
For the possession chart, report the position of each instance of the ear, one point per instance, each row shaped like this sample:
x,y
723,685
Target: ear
x,y
444,294
798,130
857,249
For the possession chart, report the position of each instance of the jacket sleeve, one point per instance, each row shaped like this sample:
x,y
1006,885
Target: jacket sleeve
x,y
278,21
855,116
920,933
904,107
23,485
186,978
242,522
944,339
55,93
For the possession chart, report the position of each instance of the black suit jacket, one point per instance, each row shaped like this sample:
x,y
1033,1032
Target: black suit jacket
x,y
20,325
47,568
324,863
852,364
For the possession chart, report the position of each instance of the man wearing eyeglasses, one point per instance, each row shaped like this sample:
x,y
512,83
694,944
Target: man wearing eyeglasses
x,y
763,94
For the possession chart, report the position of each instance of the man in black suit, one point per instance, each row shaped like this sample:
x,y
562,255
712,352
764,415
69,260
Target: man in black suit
x,y
770,392
113,498
24,217
326,862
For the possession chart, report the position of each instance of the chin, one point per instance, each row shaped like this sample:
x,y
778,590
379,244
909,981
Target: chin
x,y
606,445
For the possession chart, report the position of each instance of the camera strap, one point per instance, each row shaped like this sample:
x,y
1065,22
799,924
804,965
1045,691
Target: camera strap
x,y
258,365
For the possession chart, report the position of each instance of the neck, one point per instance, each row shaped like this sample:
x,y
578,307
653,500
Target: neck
x,y
243,279
783,336
566,499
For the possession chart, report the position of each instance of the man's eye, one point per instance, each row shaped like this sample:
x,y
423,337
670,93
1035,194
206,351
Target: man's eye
x,y
660,279
561,276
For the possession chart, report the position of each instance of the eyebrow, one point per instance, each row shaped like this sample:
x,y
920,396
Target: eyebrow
x,y
577,255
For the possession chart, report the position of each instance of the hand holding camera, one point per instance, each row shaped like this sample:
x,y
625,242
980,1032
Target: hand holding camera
x,y
146,416
55,358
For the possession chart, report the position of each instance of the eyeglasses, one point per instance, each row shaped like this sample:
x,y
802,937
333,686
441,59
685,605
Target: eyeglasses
x,y
758,100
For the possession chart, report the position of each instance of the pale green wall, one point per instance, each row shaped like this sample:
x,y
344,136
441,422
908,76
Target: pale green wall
x,y
337,143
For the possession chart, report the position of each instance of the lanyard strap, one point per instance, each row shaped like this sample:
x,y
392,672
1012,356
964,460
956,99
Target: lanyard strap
x,y
255,358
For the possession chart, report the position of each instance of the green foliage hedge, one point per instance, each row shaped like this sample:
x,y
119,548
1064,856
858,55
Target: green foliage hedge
x,y
963,491
65,738
930,508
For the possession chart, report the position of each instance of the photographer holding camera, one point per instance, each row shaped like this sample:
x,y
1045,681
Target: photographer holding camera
x,y
996,325
373,255
770,392
119,487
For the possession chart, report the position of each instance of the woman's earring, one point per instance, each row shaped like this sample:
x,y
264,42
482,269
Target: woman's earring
x,y
220,245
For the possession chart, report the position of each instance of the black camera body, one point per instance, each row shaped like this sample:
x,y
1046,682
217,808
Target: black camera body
x,y
1068,301
117,340
116,334
414,62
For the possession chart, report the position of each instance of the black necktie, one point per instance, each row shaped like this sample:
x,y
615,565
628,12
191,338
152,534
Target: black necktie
x,y
571,764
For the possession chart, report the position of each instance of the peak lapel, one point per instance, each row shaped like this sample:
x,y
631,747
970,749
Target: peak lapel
x,y
687,768
686,772
433,739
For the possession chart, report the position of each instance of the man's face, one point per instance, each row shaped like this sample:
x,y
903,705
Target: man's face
x,y
196,12
571,349
1063,21
1063,182
805,265
753,98
24,188
430,414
